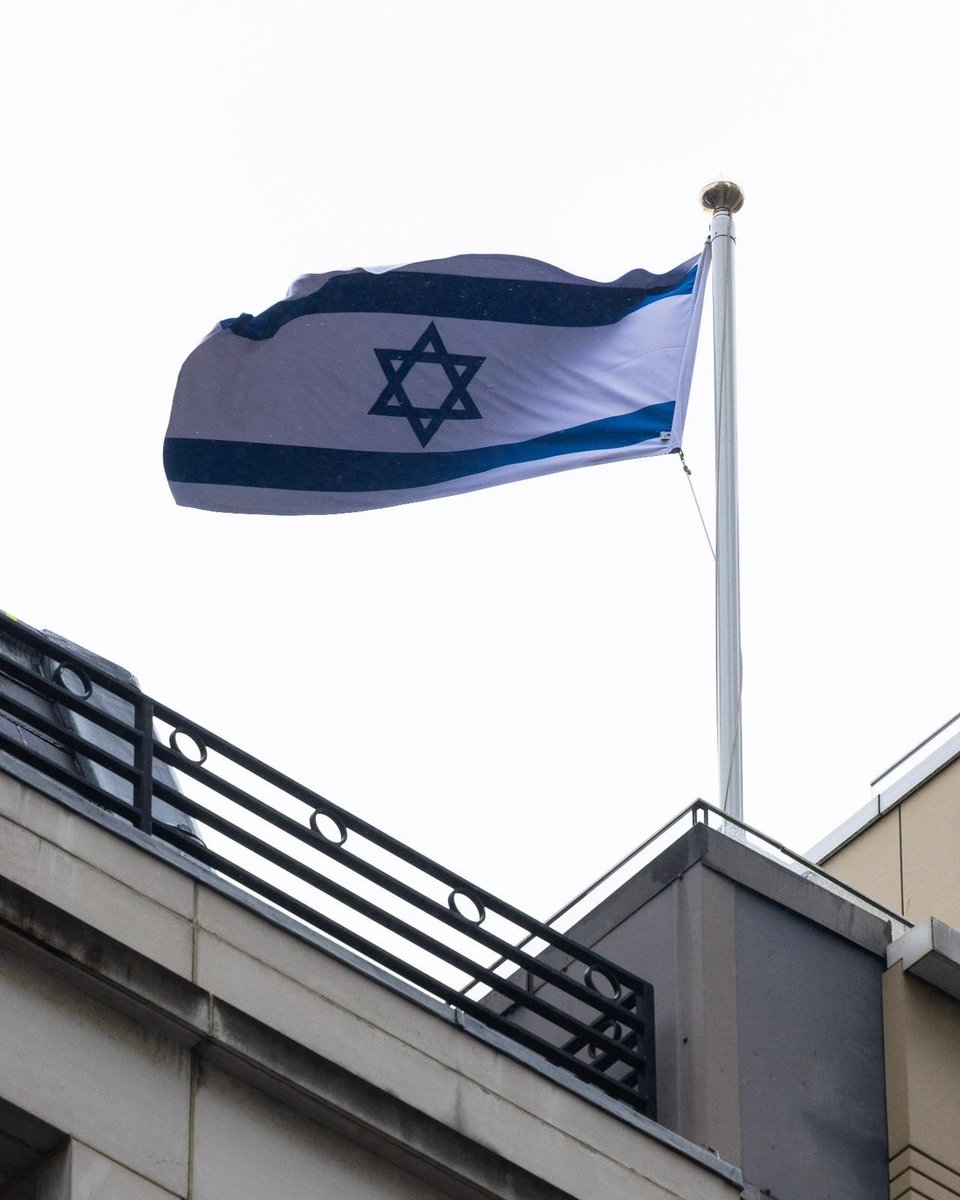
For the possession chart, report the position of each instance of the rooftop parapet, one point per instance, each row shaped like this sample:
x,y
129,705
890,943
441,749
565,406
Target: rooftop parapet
x,y
71,722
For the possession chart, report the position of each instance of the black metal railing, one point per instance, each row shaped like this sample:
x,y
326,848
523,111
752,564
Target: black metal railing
x,y
68,717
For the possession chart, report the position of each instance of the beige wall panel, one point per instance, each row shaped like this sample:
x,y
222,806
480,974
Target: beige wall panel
x,y
871,863
94,1177
931,837
95,897
96,1074
248,1146
912,1185
922,1050
96,846
911,1169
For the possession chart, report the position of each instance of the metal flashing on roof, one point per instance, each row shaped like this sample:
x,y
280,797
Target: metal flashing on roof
x,y
796,886
935,761
844,832
887,798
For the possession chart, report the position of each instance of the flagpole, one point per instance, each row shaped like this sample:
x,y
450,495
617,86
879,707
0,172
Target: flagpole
x,y
724,199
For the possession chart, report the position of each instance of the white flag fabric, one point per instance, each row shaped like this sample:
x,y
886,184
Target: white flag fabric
x,y
364,389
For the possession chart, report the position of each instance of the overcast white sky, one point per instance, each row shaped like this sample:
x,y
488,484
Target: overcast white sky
x,y
520,682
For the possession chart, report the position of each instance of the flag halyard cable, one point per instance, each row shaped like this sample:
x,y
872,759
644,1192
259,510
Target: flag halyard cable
x,y
696,501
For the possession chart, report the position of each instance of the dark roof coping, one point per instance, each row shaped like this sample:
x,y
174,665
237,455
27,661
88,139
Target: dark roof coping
x,y
802,893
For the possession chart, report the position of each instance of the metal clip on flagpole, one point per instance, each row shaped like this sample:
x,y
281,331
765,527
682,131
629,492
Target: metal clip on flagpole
x,y
724,199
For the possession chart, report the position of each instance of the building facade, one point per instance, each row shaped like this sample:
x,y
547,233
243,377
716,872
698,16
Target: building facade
x,y
904,848
212,987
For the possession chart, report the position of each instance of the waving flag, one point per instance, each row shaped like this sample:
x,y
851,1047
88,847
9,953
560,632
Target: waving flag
x,y
364,389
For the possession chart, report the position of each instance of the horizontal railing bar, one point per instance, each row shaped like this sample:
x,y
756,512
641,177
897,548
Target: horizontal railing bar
x,y
581,1042
692,810
67,738
89,791
919,746
703,806
582,895
299,791
51,691
374,836
27,635
454,920
373,874
537,929
410,933
397,965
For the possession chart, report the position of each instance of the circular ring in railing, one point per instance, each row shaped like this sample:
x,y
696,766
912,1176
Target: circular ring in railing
x,y
609,1028
474,910
325,814
200,757
68,670
594,973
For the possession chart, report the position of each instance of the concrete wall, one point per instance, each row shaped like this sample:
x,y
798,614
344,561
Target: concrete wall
x,y
185,1045
150,1119
810,1033
768,1014
681,941
244,1144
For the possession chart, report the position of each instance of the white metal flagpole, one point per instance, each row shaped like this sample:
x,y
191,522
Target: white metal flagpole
x,y
724,199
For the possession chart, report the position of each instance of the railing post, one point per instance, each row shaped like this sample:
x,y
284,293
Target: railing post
x,y
143,762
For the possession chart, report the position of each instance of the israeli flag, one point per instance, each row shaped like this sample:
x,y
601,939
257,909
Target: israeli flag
x,y
364,389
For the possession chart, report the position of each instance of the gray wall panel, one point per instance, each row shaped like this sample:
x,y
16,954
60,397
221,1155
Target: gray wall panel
x,y
810,1030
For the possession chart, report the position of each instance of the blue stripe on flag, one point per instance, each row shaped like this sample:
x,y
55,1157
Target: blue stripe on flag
x,y
515,301
315,469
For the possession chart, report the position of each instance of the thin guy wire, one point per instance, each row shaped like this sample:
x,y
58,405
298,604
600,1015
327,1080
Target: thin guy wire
x,y
693,493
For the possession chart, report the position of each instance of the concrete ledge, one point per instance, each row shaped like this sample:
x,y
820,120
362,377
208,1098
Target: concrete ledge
x,y
365,1114
98,962
931,951
807,897
468,1117
727,856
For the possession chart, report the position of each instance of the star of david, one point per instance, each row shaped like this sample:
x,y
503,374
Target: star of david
x,y
459,369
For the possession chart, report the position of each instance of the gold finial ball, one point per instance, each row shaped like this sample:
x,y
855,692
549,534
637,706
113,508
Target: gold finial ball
x,y
722,196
